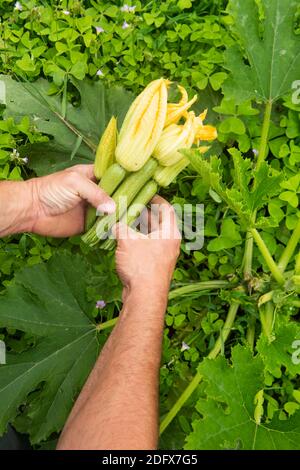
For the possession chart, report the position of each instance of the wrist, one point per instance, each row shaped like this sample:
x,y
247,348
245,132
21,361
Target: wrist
x,y
27,206
17,212
145,293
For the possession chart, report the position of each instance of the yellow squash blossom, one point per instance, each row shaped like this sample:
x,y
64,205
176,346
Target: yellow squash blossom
x,y
174,138
175,111
204,132
143,126
106,149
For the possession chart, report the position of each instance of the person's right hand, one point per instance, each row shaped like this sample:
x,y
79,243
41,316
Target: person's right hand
x,y
147,262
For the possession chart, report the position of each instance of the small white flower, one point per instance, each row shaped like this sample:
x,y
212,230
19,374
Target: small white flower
x,y
15,154
125,25
99,73
255,151
128,9
25,160
18,6
66,12
184,347
99,29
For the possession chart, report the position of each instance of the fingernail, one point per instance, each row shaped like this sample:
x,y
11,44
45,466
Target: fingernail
x,y
106,207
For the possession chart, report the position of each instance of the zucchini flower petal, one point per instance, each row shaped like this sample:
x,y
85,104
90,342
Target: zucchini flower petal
x,y
204,132
175,111
208,133
174,138
105,153
143,126
203,149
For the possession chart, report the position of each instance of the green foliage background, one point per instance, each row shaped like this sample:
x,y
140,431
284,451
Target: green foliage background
x,y
185,41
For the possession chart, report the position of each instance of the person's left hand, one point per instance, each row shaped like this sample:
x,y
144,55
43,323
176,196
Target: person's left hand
x,y
59,201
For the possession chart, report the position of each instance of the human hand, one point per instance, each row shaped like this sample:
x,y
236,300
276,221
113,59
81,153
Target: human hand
x,y
148,261
59,201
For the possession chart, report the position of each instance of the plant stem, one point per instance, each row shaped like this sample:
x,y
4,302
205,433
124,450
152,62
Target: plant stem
x,y
265,298
290,248
297,266
107,324
250,336
197,287
267,317
248,255
198,377
264,135
276,273
183,290
247,262
247,269
180,402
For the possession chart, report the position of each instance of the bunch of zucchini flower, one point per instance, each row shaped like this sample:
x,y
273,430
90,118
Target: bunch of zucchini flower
x,y
145,155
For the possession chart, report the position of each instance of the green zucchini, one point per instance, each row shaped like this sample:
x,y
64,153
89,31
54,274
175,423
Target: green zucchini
x,y
109,182
130,187
135,210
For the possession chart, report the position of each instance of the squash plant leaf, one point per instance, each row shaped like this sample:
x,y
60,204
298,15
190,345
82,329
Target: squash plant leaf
x,y
74,132
211,172
240,198
266,181
278,354
228,408
267,63
48,302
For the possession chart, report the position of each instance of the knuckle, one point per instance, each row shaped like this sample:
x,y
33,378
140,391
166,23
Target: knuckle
x,y
71,177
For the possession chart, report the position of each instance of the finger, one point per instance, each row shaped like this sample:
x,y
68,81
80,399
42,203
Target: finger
x,y
158,200
153,219
144,221
121,231
165,214
91,192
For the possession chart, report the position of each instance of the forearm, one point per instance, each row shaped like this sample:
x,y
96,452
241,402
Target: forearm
x,y
118,406
16,211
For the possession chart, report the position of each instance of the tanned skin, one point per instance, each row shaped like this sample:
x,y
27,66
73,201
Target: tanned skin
x,y
118,406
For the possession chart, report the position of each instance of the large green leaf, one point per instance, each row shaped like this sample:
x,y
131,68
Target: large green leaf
x,y
277,354
49,302
229,408
74,134
270,46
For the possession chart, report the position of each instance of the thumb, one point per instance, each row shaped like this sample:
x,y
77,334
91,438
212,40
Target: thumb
x,y
121,231
91,192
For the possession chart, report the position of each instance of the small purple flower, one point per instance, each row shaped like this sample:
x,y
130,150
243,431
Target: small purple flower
x,y
66,12
184,347
18,6
255,151
132,9
125,25
99,73
100,304
99,29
